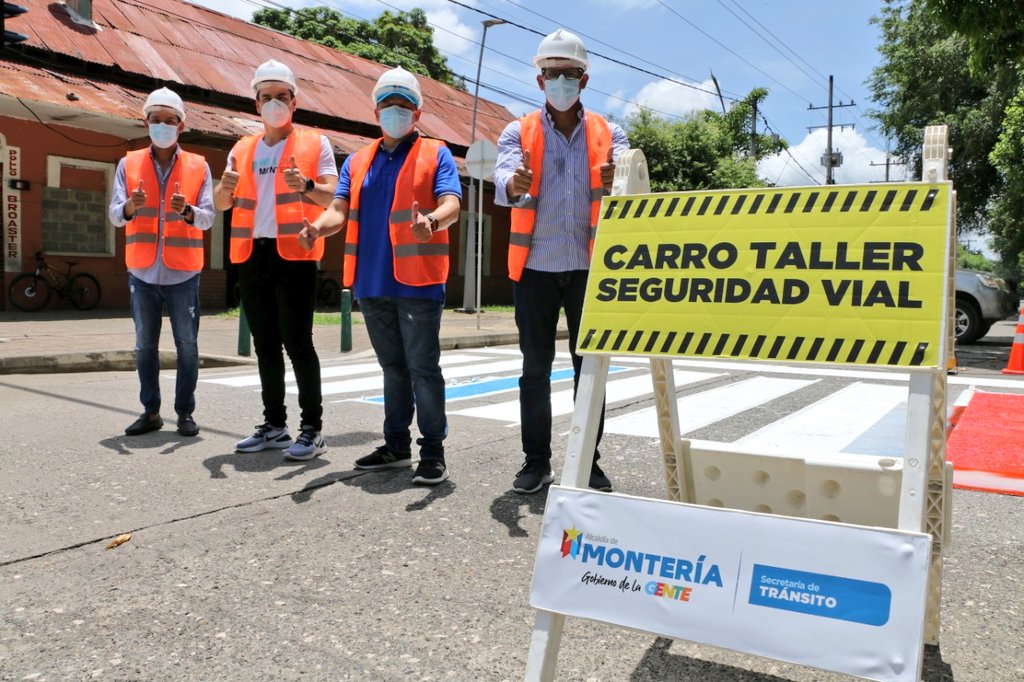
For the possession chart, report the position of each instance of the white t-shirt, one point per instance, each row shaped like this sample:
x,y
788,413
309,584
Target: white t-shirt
x,y
265,161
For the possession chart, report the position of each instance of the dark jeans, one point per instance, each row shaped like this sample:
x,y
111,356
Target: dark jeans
x,y
539,296
404,334
182,302
279,296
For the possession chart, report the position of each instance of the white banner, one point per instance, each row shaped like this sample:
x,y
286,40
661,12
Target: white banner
x,y
12,210
832,596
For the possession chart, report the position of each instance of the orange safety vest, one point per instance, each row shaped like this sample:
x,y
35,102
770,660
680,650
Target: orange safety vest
x,y
599,141
183,244
415,263
291,206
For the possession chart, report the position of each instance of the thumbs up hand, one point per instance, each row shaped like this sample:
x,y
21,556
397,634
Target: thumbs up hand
x,y
522,179
293,176
136,200
608,171
420,225
178,202
308,234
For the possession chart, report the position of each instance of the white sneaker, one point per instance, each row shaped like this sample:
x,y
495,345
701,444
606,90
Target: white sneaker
x,y
267,437
307,445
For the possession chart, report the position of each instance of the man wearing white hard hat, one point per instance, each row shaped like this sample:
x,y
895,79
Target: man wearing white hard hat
x,y
163,198
274,181
553,167
397,197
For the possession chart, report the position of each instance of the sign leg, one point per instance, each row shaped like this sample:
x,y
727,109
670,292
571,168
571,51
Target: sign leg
x,y
547,637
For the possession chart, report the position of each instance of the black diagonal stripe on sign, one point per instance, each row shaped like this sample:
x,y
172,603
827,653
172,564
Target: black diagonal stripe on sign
x,y
671,206
794,199
720,346
773,204
897,352
637,335
833,352
738,348
587,339
704,206
656,207
887,201
929,199
619,338
848,202
776,347
855,351
604,339
794,352
918,356
610,209
811,198
721,204
758,342
829,200
651,341
702,345
755,204
739,203
908,201
685,343
688,205
812,354
640,208
625,208
869,198
876,351
669,340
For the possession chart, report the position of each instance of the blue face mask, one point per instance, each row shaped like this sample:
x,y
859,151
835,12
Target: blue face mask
x,y
562,92
396,121
163,135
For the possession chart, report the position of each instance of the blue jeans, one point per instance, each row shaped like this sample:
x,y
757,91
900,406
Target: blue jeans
x,y
404,334
182,304
538,297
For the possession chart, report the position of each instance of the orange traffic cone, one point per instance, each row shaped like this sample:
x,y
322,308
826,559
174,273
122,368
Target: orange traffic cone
x,y
1016,363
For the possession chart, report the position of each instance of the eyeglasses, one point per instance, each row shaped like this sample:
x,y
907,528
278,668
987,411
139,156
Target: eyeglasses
x,y
572,73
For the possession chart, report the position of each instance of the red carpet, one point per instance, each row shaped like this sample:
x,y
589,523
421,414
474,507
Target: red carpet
x,y
986,446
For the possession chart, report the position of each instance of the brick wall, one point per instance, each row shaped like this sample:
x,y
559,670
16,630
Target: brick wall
x,y
74,221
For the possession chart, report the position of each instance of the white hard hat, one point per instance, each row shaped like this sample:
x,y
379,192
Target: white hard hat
x,y
560,46
274,71
164,97
399,82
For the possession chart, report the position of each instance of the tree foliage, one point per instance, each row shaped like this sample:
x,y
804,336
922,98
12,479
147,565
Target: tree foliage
x,y
705,150
397,39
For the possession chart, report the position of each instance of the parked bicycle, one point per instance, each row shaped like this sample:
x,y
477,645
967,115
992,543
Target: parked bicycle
x,y
32,291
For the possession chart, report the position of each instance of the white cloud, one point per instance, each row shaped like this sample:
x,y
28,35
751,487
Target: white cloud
x,y
665,97
858,156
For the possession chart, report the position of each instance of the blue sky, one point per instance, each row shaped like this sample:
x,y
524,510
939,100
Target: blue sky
x,y
787,46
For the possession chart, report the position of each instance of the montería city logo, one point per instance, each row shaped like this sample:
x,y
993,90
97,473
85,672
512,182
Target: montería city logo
x,y
673,577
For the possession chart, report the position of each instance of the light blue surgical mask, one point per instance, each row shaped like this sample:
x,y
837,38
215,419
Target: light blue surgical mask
x,y
163,135
562,92
396,121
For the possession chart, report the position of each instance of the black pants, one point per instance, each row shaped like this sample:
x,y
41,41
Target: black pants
x,y
279,297
539,296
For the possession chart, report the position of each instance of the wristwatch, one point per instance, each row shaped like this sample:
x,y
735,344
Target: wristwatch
x,y
433,222
310,186
187,211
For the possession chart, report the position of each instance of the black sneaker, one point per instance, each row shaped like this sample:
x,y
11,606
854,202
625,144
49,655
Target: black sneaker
x,y
144,424
430,472
533,476
384,458
187,426
598,481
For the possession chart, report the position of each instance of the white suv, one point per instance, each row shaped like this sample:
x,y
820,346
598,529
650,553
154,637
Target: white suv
x,y
981,299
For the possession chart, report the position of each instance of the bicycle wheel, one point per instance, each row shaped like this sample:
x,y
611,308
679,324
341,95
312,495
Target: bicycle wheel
x,y
329,293
29,292
84,291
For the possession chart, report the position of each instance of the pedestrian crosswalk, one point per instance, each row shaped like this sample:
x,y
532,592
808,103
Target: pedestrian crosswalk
x,y
775,408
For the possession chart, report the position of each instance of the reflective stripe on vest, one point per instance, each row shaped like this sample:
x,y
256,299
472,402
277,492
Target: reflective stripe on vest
x,y
183,244
415,263
290,206
599,141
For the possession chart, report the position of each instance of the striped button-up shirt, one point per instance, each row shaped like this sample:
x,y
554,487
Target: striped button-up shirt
x,y
561,233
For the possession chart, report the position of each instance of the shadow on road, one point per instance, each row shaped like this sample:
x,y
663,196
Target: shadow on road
x,y
508,510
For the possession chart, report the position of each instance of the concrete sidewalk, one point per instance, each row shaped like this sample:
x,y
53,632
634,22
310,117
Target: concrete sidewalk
x,y
74,341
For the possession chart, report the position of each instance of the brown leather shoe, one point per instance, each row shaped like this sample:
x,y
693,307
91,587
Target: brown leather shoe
x,y
144,424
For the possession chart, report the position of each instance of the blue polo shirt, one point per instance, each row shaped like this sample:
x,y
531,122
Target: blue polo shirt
x,y
375,268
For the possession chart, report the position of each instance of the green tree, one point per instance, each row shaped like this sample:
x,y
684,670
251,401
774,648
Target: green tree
x,y
397,39
705,150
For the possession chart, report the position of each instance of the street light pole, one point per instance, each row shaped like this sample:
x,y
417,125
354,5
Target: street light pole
x,y
469,293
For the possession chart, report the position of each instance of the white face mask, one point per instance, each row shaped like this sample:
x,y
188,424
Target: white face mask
x,y
562,92
396,121
163,135
276,113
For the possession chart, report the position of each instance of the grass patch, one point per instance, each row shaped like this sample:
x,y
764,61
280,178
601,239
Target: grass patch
x,y
320,319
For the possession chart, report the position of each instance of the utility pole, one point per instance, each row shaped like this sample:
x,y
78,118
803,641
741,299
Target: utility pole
x,y
753,129
831,160
889,161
